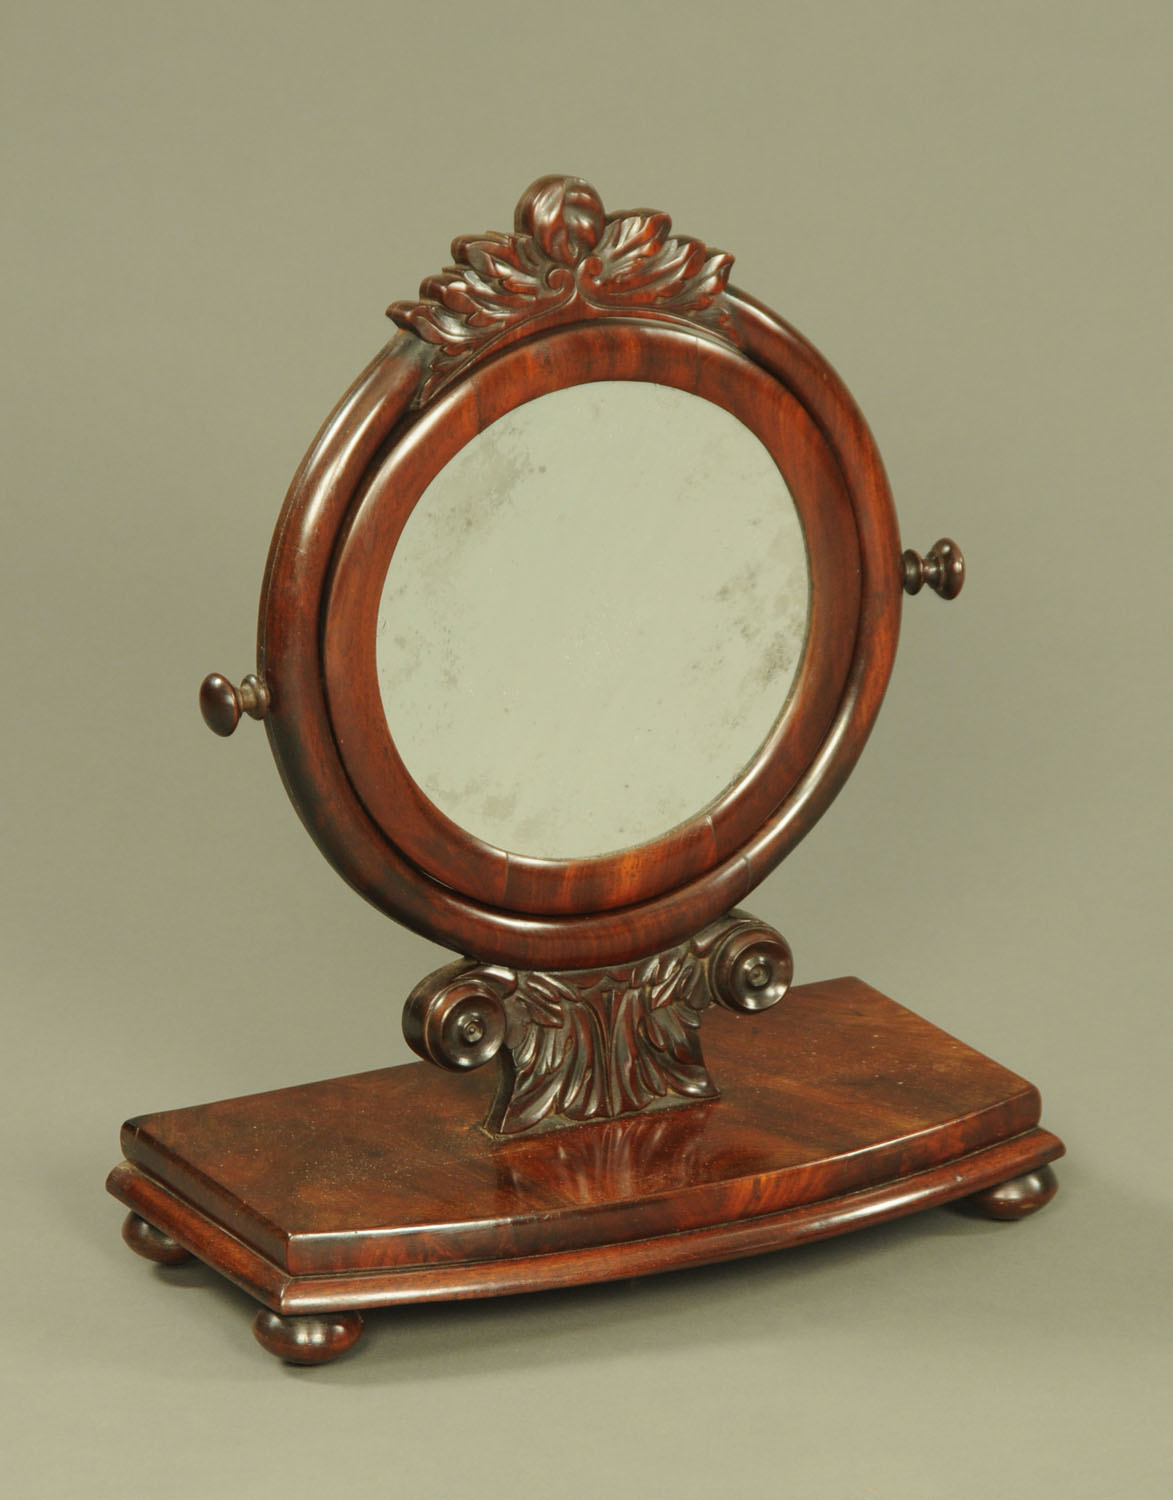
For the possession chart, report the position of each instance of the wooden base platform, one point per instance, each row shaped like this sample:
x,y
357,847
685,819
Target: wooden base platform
x,y
838,1109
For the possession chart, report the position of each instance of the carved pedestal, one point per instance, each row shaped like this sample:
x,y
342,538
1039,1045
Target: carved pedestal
x,y
596,1044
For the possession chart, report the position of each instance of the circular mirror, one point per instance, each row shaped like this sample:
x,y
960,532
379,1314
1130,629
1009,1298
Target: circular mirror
x,y
571,632
592,619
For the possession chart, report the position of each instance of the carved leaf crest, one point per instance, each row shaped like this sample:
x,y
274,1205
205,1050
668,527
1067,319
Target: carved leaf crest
x,y
639,263
568,257
472,302
564,214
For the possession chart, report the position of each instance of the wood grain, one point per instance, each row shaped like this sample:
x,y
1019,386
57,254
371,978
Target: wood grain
x,y
839,1108
596,1044
683,855
567,259
398,850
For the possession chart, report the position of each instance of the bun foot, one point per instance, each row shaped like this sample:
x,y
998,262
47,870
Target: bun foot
x,y
307,1340
151,1243
1016,1198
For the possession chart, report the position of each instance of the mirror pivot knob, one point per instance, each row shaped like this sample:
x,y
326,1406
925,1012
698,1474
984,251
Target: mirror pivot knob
x,y
943,569
222,704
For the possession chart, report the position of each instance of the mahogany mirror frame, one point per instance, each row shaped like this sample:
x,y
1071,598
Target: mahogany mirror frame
x,y
610,1145
399,423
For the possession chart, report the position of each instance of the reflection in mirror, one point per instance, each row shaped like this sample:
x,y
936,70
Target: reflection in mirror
x,y
592,619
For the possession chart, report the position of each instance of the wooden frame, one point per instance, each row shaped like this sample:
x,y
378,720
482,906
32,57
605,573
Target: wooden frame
x,y
553,361
608,1148
405,416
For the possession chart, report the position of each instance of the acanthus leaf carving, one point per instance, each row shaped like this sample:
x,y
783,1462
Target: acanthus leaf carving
x,y
566,259
596,1044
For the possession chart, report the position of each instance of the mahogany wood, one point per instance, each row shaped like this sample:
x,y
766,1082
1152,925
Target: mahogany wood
x,y
839,1108
566,260
151,1243
307,1340
1016,1198
621,281
943,569
222,704
614,350
596,1044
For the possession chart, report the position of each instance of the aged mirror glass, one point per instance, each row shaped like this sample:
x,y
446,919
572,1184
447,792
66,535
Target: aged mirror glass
x,y
593,618
577,616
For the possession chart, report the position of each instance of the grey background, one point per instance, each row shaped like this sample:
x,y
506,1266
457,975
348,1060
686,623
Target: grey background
x,y
967,209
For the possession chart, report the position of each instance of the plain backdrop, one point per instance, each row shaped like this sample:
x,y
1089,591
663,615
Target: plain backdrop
x,y
967,208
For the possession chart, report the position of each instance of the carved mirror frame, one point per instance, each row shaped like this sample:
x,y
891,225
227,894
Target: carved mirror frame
x,y
573,295
607,1148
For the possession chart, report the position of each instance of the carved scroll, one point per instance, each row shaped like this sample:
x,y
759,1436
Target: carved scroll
x,y
596,1044
567,259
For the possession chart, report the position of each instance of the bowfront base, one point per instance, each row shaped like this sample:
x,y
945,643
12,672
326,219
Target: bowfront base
x,y
837,1109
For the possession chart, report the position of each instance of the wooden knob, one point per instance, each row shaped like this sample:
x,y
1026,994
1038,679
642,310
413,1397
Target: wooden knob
x,y
222,704
943,569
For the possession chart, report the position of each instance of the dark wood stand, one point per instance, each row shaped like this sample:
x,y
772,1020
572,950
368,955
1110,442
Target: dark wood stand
x,y
610,1146
837,1109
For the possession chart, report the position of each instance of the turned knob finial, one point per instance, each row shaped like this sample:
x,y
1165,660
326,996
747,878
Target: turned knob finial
x,y
943,569
222,704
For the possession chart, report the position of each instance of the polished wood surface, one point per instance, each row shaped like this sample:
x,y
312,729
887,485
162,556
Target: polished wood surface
x,y
586,978
307,1340
222,703
596,1044
838,1108
943,569
681,856
567,260
1017,1198
151,1243
533,913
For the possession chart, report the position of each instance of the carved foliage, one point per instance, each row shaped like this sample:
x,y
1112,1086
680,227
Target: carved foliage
x,y
600,1043
604,1044
566,259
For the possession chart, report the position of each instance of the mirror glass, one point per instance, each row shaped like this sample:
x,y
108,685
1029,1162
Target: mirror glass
x,y
593,619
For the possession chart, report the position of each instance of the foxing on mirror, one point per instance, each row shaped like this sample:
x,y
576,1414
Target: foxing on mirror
x,y
577,615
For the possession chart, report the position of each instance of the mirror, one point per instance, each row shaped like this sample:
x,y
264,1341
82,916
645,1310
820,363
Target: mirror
x,y
577,616
592,619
